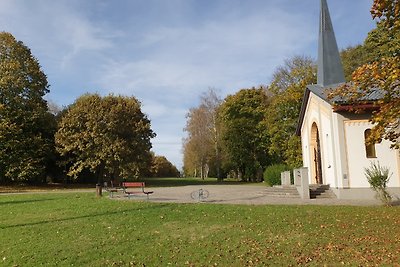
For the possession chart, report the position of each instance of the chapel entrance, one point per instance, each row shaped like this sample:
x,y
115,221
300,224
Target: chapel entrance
x,y
316,154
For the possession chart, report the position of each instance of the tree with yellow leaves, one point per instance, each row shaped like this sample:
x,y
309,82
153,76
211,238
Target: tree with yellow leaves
x,y
380,77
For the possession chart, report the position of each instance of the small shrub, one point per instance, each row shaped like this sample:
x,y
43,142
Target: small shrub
x,y
378,177
272,174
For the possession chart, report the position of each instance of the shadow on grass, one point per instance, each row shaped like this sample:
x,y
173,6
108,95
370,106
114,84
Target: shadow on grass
x,y
81,217
25,201
21,188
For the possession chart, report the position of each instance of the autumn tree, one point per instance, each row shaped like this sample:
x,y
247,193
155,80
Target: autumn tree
x,y
190,165
211,103
109,136
380,75
287,88
201,148
162,167
26,126
244,132
199,140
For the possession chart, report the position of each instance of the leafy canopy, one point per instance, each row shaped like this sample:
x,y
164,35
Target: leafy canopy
x,y
201,148
110,136
162,167
288,86
25,125
244,134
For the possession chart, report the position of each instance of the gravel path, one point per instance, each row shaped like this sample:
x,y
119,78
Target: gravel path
x,y
220,194
239,194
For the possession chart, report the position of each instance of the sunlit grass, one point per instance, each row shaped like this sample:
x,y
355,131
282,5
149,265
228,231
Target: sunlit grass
x,y
82,230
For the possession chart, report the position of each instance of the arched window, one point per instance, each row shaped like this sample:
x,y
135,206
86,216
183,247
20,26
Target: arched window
x,y
369,149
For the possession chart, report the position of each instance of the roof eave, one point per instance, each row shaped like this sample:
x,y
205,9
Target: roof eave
x,y
356,107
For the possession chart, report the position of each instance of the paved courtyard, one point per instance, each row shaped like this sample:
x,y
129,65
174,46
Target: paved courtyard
x,y
237,194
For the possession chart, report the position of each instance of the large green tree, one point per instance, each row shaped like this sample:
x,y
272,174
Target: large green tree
x,y
354,57
287,88
109,136
26,126
244,133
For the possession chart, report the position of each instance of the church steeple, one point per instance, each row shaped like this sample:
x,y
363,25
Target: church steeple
x,y
330,69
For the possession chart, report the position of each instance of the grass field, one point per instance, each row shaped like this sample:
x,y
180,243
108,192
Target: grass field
x,y
78,229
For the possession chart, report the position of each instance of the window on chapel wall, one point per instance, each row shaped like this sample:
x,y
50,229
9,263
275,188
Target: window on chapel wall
x,y
369,149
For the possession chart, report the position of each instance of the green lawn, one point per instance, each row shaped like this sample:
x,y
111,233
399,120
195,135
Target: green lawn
x,y
65,229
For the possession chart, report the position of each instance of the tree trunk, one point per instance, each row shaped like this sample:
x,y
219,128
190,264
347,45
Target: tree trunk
x,y
206,170
99,185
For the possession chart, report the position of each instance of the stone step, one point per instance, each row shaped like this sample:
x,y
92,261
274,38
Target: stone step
x,y
319,187
321,191
282,191
283,195
316,191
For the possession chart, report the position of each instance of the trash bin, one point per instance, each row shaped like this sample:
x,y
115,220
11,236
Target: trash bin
x,y
99,190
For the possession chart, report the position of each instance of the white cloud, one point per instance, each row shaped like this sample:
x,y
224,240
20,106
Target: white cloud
x,y
57,31
214,54
157,109
179,63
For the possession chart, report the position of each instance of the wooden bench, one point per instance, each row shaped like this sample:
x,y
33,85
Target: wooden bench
x,y
135,185
111,189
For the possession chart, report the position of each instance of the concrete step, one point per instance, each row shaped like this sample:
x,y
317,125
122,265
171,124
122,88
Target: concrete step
x,y
282,191
321,191
283,195
319,187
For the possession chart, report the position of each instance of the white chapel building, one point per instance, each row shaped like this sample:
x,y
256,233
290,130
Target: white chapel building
x,y
333,137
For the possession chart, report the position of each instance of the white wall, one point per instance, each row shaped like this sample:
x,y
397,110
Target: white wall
x,y
357,159
326,136
342,147
319,111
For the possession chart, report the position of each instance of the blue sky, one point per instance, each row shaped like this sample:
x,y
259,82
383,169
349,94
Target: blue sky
x,y
167,53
